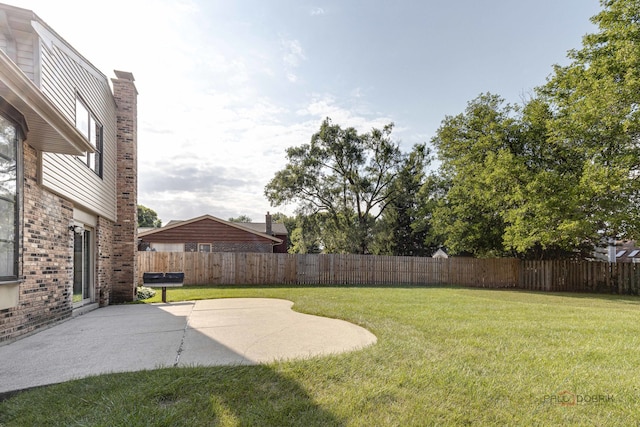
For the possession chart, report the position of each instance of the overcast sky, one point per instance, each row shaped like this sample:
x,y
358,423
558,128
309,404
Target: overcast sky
x,y
226,86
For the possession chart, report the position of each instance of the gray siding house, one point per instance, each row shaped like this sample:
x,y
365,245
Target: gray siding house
x,y
68,179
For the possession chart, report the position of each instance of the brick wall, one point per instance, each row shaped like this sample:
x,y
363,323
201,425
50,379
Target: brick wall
x,y
104,266
125,234
46,263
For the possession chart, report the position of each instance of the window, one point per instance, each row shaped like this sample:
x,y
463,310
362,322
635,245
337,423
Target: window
x,y
204,247
9,135
92,130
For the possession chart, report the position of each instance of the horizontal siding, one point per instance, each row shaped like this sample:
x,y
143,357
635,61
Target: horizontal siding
x,y
22,51
62,77
205,231
25,56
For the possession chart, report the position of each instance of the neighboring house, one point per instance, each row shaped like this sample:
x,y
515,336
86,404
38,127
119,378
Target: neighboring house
x,y
620,251
210,234
68,183
628,254
273,229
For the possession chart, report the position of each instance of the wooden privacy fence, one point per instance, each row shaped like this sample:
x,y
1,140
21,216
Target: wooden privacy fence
x,y
226,268
580,276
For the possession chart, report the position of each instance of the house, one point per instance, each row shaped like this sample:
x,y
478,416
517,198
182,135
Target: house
x,y
68,187
274,229
207,233
625,251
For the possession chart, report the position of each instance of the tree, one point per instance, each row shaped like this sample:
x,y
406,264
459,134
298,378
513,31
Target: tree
x,y
430,195
596,112
343,179
241,218
148,217
473,147
304,235
545,216
559,175
397,231
508,189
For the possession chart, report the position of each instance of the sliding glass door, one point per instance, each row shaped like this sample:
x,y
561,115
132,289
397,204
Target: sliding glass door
x,y
83,282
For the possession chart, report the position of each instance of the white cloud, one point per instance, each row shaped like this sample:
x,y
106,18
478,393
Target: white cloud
x,y
293,52
223,93
326,105
210,134
292,55
229,150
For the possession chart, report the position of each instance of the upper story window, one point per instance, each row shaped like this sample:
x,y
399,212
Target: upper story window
x,y
9,138
92,130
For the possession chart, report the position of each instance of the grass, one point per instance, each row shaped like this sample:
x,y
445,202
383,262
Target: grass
x,y
445,356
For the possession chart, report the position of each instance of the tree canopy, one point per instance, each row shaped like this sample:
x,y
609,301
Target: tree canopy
x,y
343,179
400,230
148,217
241,218
559,173
596,105
552,177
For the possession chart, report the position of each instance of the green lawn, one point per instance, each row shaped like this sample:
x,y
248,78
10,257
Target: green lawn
x,y
445,356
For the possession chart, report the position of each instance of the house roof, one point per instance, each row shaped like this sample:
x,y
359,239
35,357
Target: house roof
x,y
440,254
276,227
239,225
261,227
46,127
628,252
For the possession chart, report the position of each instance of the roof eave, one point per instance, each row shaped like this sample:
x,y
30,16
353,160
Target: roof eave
x,y
275,240
49,129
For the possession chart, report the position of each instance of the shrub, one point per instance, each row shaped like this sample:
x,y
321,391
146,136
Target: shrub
x,y
145,292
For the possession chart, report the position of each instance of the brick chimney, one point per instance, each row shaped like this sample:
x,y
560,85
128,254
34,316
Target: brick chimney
x,y
125,235
269,224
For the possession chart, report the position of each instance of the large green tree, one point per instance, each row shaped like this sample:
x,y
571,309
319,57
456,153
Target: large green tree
x,y
474,147
398,231
505,188
596,112
342,178
148,217
543,212
560,174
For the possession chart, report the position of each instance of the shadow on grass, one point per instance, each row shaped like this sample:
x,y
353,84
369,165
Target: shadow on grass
x,y
633,299
234,395
138,339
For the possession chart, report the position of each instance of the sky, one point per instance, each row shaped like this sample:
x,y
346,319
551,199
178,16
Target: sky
x,y
225,87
